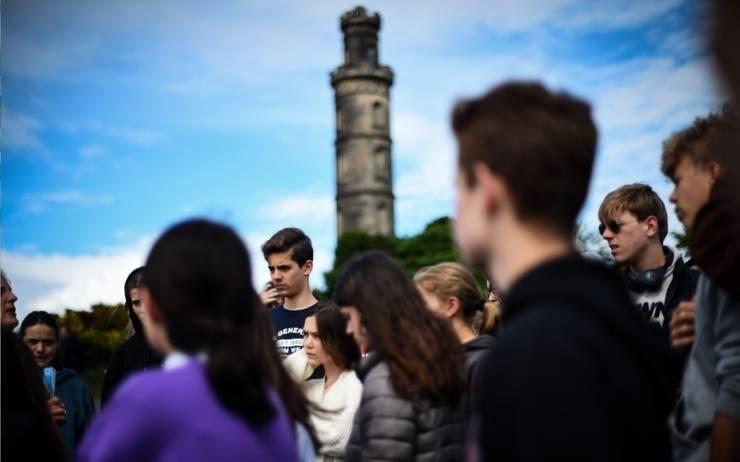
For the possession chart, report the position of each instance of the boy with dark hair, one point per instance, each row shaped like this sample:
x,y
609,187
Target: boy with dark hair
x,y
706,420
634,223
289,256
576,374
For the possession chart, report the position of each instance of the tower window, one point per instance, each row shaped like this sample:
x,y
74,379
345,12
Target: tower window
x,y
379,117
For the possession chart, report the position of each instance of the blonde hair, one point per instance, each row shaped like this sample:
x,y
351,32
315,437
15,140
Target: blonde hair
x,y
638,199
449,279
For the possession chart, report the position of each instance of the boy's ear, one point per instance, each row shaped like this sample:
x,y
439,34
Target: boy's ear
x,y
714,169
307,267
652,224
491,185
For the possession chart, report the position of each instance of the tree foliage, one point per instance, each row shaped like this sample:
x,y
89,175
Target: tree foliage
x,y
433,245
590,243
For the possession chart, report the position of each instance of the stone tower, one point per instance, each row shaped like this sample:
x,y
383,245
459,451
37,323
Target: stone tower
x,y
363,142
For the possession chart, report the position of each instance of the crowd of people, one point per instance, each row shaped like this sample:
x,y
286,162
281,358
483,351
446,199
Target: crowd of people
x,y
563,357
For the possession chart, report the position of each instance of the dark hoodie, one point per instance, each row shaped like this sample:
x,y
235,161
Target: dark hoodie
x,y
72,390
576,375
133,355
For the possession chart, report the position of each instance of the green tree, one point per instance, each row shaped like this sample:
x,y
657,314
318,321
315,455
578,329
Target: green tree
x,y
433,245
589,242
683,242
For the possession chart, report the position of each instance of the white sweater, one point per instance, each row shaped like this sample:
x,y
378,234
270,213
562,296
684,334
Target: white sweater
x,y
341,400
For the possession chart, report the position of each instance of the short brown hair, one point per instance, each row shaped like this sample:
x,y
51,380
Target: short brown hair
x,y
638,199
542,143
291,240
700,143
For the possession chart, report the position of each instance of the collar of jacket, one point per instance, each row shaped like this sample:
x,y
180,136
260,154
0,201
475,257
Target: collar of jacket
x,y
571,279
367,363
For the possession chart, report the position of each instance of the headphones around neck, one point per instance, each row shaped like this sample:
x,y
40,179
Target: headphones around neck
x,y
650,279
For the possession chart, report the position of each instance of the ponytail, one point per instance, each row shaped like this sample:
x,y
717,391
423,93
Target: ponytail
x,y
489,319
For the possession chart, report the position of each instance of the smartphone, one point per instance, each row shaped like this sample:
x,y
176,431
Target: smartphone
x,y
50,380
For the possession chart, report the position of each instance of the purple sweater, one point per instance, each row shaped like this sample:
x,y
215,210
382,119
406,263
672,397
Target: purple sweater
x,y
173,415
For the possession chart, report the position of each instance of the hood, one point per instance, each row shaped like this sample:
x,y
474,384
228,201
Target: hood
x,y
63,375
481,342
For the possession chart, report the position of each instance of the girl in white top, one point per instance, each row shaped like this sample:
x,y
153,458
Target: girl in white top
x,y
336,395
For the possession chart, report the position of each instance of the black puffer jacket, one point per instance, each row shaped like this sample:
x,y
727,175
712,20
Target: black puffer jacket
x,y
388,427
475,350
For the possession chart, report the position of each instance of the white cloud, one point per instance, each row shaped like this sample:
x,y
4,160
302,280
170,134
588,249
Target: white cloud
x,y
299,207
20,131
132,135
57,281
39,202
93,151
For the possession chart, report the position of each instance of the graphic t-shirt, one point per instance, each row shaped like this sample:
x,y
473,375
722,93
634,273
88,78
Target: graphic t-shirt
x,y
288,328
652,303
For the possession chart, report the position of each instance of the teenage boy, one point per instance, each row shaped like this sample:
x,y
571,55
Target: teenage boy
x,y
576,374
706,421
634,223
289,256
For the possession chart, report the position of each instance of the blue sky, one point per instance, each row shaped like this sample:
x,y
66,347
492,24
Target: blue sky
x,y
122,117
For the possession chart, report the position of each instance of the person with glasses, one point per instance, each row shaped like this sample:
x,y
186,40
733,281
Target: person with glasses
x,y
634,223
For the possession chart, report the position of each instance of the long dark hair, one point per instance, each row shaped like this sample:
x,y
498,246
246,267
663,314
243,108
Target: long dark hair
x,y
199,275
24,401
423,354
332,327
35,318
133,281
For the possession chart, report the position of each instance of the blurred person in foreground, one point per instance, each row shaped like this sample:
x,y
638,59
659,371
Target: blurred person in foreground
x,y
576,374
413,398
28,431
212,400
714,235
9,320
706,420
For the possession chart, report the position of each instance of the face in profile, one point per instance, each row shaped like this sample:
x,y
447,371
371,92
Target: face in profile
x,y
626,236
285,274
692,188
138,305
43,343
312,344
355,327
8,299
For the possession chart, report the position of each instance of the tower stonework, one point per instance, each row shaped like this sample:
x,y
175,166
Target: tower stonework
x,y
363,142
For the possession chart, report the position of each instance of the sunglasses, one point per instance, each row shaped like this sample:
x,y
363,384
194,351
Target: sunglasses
x,y
613,225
